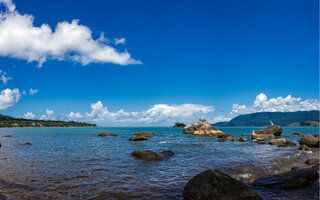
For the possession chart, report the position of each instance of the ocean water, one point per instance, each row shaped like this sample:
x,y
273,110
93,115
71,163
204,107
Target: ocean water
x,y
73,163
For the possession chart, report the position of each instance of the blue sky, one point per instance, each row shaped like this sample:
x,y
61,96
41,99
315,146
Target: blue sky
x,y
204,56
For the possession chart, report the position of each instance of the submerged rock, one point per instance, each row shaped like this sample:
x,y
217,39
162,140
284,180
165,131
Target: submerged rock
x,y
297,133
288,143
304,148
167,153
7,136
26,144
146,155
296,178
258,140
214,185
242,139
107,135
309,141
311,161
146,134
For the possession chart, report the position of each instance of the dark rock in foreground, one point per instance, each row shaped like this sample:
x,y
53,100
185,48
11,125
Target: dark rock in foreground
x,y
296,178
214,185
146,155
167,153
310,141
107,135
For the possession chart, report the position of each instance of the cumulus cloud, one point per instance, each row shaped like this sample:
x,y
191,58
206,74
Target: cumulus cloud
x,y
48,116
19,38
119,41
29,115
9,97
33,91
157,114
279,104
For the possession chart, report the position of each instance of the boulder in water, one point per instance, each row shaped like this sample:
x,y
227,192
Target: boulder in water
x,y
310,141
275,130
139,136
277,141
146,134
296,178
215,185
146,155
106,135
288,143
269,132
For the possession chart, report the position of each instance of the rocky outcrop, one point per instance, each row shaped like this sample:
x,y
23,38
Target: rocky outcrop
x,y
269,132
139,136
275,130
296,178
310,141
167,153
215,185
146,155
201,127
107,135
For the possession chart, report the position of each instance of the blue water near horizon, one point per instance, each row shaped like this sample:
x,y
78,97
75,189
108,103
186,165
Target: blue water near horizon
x,y
73,163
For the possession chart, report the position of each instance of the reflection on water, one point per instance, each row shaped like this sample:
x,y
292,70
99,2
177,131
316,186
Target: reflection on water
x,y
73,163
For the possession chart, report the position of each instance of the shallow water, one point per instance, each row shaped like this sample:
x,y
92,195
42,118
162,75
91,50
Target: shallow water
x,y
73,163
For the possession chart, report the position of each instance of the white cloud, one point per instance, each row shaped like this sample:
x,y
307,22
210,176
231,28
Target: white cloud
x,y
119,41
19,38
29,115
279,104
161,114
48,116
9,97
33,91
4,78
8,4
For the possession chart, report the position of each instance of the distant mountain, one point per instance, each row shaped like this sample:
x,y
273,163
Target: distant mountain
x,y
7,121
278,118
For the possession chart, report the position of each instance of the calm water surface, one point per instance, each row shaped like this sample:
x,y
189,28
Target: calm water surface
x,y
73,163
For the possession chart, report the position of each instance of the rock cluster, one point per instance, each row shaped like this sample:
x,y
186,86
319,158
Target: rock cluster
x,y
201,127
269,132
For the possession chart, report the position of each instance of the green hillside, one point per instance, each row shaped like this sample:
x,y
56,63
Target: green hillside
x,y
7,121
278,118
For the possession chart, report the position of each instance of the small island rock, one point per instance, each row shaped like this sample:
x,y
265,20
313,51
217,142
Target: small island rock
x,y
214,185
146,155
106,135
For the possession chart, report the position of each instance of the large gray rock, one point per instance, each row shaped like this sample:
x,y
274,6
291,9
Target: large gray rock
x,y
214,185
191,128
296,178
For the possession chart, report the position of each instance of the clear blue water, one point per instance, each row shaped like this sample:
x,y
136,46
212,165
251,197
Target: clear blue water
x,y
73,163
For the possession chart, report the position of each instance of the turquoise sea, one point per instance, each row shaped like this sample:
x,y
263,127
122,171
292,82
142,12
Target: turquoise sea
x,y
73,163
